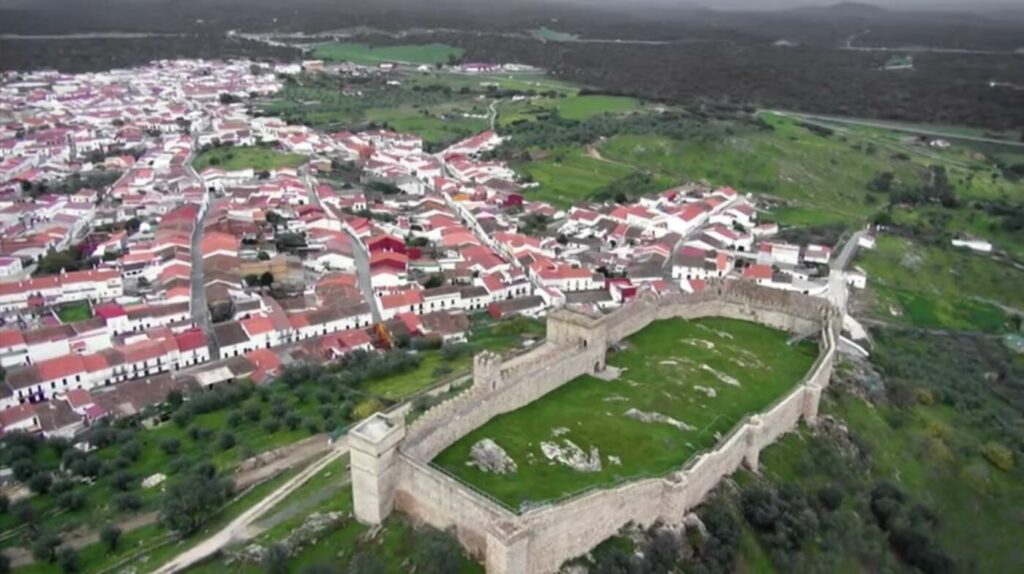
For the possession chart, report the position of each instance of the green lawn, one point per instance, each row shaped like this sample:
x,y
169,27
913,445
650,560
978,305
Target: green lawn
x,y
940,287
664,365
258,158
73,312
366,54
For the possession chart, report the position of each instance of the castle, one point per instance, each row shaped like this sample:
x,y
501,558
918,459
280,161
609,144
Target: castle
x,y
390,461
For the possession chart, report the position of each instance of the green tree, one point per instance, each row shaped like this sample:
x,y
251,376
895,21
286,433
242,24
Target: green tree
x,y
44,547
110,535
189,502
67,558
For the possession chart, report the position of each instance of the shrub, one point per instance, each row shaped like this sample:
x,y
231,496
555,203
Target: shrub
x,y
67,558
830,497
110,534
40,482
132,451
72,500
44,547
1000,456
227,441
271,426
366,408
253,412
170,446
127,502
122,480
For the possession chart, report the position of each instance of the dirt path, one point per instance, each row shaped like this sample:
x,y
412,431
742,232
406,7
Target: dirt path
x,y
240,525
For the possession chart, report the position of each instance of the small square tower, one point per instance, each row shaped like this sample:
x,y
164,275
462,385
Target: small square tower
x,y
373,444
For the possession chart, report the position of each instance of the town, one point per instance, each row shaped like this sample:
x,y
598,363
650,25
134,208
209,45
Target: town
x,y
129,271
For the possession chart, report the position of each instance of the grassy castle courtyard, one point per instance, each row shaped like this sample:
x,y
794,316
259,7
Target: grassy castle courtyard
x,y
683,384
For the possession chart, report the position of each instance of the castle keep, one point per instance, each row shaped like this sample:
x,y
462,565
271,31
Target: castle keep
x,y
391,462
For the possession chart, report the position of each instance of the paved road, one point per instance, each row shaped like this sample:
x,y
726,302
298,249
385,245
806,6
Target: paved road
x,y
238,528
848,251
895,128
358,248
363,275
200,312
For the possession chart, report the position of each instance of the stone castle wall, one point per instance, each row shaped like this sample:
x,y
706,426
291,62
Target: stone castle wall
x,y
541,539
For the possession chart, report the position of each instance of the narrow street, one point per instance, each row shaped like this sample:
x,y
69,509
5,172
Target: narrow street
x,y
359,253
363,275
200,311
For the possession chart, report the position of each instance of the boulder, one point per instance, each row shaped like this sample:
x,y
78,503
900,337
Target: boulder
x,y
489,457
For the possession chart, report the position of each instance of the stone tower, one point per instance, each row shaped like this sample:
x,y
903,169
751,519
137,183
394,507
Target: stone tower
x,y
373,445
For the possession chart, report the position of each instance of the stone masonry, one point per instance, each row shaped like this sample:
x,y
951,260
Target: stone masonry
x,y
391,463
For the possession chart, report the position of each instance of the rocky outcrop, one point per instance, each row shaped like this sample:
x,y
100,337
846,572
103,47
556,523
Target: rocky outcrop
x,y
489,457
571,455
657,418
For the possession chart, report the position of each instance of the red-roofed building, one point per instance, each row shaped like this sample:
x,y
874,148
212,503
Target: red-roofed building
x,y
404,302
192,347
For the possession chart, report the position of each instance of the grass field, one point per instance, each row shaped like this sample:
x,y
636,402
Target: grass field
x,y
571,108
941,287
366,54
258,158
669,368
549,35
824,174
571,176
73,312
523,81
443,123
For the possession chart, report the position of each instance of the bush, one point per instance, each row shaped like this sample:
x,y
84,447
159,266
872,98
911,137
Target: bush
x,y
253,412
227,441
40,482
271,426
122,480
131,451
171,446
830,497
44,547
110,534
292,421
1000,456
127,502
437,553
366,408
275,559
72,500
67,558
